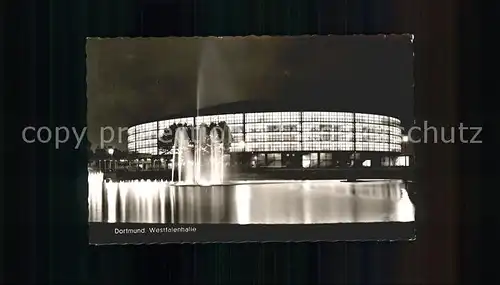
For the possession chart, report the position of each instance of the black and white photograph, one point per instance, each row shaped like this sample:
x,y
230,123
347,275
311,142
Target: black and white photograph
x,y
249,131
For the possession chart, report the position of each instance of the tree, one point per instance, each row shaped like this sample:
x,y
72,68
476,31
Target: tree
x,y
167,139
223,133
100,154
227,138
119,154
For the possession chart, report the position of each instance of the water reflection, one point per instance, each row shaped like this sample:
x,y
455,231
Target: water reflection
x,y
285,202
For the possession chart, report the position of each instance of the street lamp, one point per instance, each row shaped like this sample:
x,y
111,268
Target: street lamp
x,y
405,138
110,152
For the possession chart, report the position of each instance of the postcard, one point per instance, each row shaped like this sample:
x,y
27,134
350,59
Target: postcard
x,y
250,139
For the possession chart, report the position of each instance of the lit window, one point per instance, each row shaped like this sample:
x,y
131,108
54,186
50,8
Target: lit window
x,y
274,160
310,160
325,160
131,131
402,161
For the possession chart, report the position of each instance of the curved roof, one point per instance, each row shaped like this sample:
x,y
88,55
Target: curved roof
x,y
277,106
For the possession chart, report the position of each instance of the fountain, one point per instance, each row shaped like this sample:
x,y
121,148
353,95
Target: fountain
x,y
288,202
95,196
198,160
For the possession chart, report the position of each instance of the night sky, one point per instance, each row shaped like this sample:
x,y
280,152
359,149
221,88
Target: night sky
x,y
135,80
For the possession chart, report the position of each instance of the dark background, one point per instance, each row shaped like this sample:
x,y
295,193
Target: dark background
x,y
45,236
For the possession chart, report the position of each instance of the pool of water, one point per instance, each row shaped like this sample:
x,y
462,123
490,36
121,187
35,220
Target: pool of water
x,y
250,202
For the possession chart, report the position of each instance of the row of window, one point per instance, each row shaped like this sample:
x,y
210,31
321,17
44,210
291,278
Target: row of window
x,y
143,136
228,118
350,146
370,146
167,123
131,146
148,150
273,146
261,143
290,136
154,134
235,119
236,128
378,129
276,127
314,160
272,137
314,156
319,117
403,160
327,117
311,160
321,127
237,148
327,127
272,117
376,119
236,138
146,143
140,134
315,137
331,146
291,146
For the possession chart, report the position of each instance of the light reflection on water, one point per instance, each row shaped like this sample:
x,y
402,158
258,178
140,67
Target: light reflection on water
x,y
264,202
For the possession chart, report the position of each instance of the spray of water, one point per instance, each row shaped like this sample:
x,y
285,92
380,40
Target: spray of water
x,y
200,163
95,199
158,201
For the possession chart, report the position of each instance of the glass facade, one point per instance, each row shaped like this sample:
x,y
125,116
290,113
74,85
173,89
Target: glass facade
x,y
287,132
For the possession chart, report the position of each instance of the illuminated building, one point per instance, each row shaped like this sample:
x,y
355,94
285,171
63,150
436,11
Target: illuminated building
x,y
296,138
